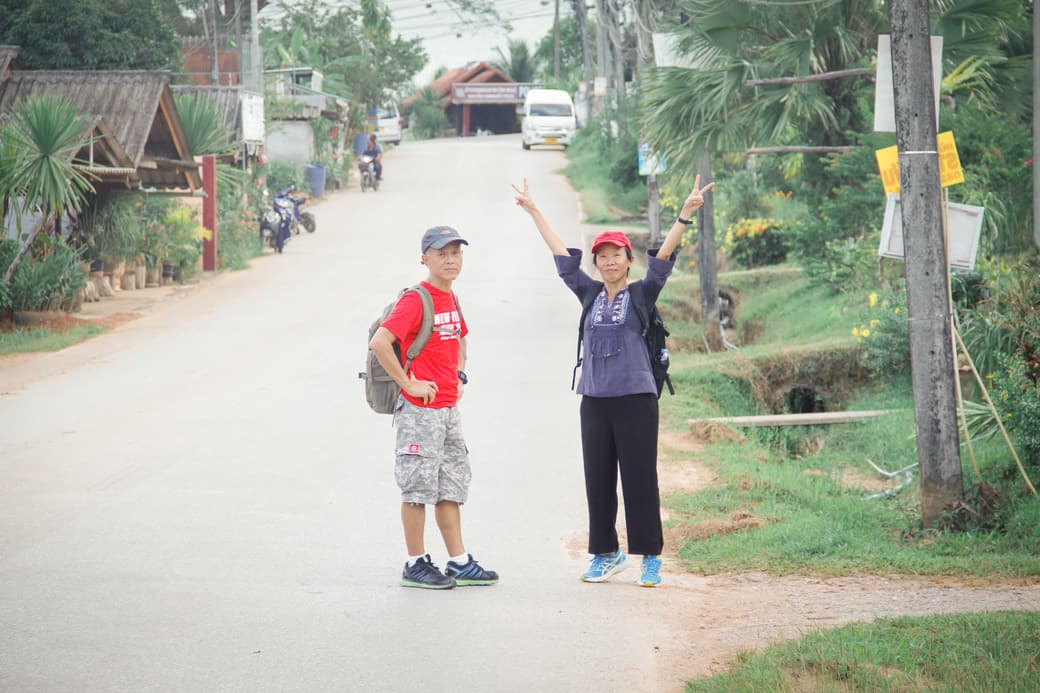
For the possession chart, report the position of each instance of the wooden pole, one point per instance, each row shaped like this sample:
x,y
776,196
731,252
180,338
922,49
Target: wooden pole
x,y
706,268
931,354
653,210
209,213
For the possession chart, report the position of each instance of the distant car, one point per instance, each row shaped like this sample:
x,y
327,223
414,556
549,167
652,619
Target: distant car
x,y
388,124
548,118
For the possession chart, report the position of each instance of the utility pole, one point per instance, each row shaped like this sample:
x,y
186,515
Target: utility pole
x,y
603,69
215,72
618,51
581,14
556,42
931,349
255,61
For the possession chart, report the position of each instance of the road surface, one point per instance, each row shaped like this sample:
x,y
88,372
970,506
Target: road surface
x,y
201,500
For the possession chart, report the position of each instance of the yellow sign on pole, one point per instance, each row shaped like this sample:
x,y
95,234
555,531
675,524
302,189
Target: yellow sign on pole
x,y
950,172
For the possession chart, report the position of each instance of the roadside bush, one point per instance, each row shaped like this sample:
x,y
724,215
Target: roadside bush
x,y
237,222
756,242
884,333
185,237
609,165
996,155
1016,393
837,243
281,175
428,121
49,278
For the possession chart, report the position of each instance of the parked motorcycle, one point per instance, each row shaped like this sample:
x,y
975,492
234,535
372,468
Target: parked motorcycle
x,y
293,205
367,169
276,223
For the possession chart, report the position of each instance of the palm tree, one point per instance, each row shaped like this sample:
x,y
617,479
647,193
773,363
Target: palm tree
x,y
40,140
520,64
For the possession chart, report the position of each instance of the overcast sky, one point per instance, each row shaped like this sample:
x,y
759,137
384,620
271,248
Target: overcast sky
x,y
437,25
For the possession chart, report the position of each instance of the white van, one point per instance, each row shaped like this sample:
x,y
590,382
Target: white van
x,y
548,118
388,124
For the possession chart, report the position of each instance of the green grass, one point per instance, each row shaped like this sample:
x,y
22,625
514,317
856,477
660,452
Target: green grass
x,y
42,339
807,486
965,652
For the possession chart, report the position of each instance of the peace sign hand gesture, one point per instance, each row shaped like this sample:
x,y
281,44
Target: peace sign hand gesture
x,y
524,199
696,198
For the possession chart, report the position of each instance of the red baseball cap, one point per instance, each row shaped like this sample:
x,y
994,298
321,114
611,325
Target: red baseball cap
x,y
612,238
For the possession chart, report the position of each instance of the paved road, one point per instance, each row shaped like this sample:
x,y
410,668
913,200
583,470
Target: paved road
x,y
200,500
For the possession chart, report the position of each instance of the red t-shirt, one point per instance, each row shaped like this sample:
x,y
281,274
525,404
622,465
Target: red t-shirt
x,y
439,360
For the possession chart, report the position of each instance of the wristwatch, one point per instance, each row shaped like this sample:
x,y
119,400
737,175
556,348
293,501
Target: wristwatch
x,y
685,222
462,378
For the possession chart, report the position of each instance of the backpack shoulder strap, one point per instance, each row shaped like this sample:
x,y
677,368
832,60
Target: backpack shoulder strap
x,y
641,305
425,326
586,304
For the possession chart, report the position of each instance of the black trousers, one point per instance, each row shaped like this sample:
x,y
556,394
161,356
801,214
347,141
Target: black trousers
x,y
621,432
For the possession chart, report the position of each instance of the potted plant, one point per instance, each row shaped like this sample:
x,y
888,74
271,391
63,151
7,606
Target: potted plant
x,y
112,229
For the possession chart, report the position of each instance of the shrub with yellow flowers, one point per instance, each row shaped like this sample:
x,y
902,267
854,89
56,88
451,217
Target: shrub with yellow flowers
x,y
756,242
884,333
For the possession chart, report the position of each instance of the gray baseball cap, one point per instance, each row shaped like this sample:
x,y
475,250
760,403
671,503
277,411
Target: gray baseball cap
x,y
440,236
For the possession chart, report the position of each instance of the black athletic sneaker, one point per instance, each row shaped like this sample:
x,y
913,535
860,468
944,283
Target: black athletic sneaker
x,y
470,573
425,574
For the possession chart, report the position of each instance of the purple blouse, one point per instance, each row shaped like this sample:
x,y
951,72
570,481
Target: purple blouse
x,y
614,357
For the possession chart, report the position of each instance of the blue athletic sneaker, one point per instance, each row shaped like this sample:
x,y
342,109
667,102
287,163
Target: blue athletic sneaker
x,y
470,573
651,571
423,573
604,565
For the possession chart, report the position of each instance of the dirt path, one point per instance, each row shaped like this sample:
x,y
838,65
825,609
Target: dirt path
x,y
715,617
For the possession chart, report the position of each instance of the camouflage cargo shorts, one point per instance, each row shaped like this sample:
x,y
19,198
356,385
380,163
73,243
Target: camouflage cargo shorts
x,y
432,460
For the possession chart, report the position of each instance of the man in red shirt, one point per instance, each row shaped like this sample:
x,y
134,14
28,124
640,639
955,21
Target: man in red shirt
x,y
432,466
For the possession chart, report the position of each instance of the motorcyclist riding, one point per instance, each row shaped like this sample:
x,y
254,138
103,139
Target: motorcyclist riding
x,y
376,152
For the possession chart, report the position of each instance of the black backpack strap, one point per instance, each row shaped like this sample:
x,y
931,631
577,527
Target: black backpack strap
x,y
642,307
648,315
587,302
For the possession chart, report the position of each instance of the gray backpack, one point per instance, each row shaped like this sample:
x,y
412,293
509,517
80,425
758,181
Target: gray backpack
x,y
381,391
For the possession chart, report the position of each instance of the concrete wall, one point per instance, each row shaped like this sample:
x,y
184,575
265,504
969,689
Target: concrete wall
x,y
290,141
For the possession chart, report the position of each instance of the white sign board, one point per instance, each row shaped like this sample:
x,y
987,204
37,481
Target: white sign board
x,y
884,93
964,228
252,117
650,164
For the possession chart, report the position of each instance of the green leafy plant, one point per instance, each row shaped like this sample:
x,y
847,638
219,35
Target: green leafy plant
x,y
281,175
1016,393
185,239
884,333
48,279
41,136
428,118
111,227
756,242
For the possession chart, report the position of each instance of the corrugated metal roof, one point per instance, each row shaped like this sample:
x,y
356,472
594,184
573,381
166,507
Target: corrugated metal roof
x,y
137,107
128,100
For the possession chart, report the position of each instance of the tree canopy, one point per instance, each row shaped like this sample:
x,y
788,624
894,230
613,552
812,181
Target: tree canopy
x,y
89,34
355,48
